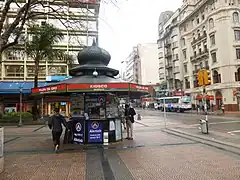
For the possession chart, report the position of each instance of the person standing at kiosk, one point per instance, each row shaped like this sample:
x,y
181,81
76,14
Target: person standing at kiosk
x,y
129,114
55,124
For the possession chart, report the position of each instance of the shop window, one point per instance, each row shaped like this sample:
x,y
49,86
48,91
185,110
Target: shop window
x,y
216,77
235,17
237,75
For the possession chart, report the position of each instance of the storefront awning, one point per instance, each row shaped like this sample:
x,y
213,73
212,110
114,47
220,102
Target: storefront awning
x,y
14,87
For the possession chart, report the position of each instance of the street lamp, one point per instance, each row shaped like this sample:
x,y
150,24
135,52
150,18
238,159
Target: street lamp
x,y
20,116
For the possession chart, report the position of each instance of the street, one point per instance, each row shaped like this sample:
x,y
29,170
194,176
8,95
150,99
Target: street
x,y
153,154
224,124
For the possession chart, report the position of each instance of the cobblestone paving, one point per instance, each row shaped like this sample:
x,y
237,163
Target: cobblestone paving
x,y
185,162
45,167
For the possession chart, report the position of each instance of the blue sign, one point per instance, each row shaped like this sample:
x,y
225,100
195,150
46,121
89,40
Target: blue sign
x,y
57,78
169,105
78,132
95,132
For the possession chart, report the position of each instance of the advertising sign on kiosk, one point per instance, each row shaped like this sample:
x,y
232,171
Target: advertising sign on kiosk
x,y
95,132
78,132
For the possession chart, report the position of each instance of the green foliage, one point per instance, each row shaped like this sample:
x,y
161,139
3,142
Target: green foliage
x,y
40,45
16,114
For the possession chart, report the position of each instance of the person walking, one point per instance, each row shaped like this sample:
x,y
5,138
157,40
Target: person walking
x,y
129,114
223,108
55,124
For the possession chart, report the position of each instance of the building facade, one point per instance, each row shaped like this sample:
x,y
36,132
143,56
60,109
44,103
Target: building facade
x,y
209,38
170,66
142,64
79,24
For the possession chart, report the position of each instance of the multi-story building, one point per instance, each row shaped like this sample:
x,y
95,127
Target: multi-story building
x,y
142,64
78,21
170,67
210,39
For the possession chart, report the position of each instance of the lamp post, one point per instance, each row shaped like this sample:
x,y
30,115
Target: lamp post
x,y
20,116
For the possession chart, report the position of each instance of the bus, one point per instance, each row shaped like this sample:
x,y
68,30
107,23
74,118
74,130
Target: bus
x,y
175,103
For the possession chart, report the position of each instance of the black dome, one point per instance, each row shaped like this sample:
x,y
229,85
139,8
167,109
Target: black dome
x,y
93,55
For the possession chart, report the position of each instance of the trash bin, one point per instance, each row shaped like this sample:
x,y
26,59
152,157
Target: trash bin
x,y
204,126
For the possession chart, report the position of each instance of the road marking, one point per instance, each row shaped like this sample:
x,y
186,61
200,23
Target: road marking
x,y
223,122
236,131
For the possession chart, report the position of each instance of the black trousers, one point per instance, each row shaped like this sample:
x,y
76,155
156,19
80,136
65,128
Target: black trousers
x,y
56,137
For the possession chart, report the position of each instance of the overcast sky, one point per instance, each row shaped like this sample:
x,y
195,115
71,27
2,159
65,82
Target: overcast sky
x,y
133,22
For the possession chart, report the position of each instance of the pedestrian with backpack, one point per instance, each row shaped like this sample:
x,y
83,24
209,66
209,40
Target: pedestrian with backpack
x,y
129,114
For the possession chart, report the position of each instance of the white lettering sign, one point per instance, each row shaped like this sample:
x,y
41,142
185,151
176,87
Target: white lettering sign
x,y
142,87
98,86
78,140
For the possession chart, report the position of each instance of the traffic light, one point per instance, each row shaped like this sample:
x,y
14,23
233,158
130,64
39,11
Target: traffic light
x,y
200,78
207,77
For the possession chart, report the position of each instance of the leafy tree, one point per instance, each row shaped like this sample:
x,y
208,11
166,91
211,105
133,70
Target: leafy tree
x,y
40,47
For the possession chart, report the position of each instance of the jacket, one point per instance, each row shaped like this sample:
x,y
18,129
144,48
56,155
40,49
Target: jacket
x,y
55,123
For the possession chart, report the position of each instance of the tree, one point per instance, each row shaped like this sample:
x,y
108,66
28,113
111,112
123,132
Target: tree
x,y
40,47
29,11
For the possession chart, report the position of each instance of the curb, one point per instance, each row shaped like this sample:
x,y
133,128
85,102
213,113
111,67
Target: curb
x,y
210,142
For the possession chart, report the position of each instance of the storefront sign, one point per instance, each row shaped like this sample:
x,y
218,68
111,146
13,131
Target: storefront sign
x,y
78,133
50,89
140,88
98,87
95,133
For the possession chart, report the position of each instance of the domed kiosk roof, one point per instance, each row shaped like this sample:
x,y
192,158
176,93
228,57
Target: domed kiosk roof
x,y
92,68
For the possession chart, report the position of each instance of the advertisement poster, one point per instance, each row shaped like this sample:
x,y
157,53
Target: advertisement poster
x,y
95,132
78,132
118,130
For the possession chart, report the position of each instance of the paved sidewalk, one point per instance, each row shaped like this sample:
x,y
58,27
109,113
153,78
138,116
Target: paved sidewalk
x,y
152,154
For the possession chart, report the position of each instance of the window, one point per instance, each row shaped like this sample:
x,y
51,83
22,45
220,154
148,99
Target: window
x,y
184,54
216,77
214,57
211,23
237,75
183,42
235,17
212,40
185,68
237,35
198,21
187,84
14,71
203,16
238,53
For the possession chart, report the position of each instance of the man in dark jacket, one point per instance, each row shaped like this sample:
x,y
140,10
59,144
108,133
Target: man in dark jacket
x,y
129,114
55,124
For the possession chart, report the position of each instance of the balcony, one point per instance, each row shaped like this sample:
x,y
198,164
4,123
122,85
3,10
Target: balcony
x,y
201,55
199,38
167,43
175,57
168,54
169,65
176,70
174,45
169,76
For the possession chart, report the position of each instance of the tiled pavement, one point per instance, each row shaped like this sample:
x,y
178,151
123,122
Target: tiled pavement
x,y
152,155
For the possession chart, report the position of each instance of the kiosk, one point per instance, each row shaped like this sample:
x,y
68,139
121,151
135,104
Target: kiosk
x,y
93,93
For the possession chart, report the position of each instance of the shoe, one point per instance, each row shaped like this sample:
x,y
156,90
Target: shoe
x,y
130,138
56,148
127,138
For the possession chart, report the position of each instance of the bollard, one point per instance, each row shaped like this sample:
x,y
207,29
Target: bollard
x,y
138,117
